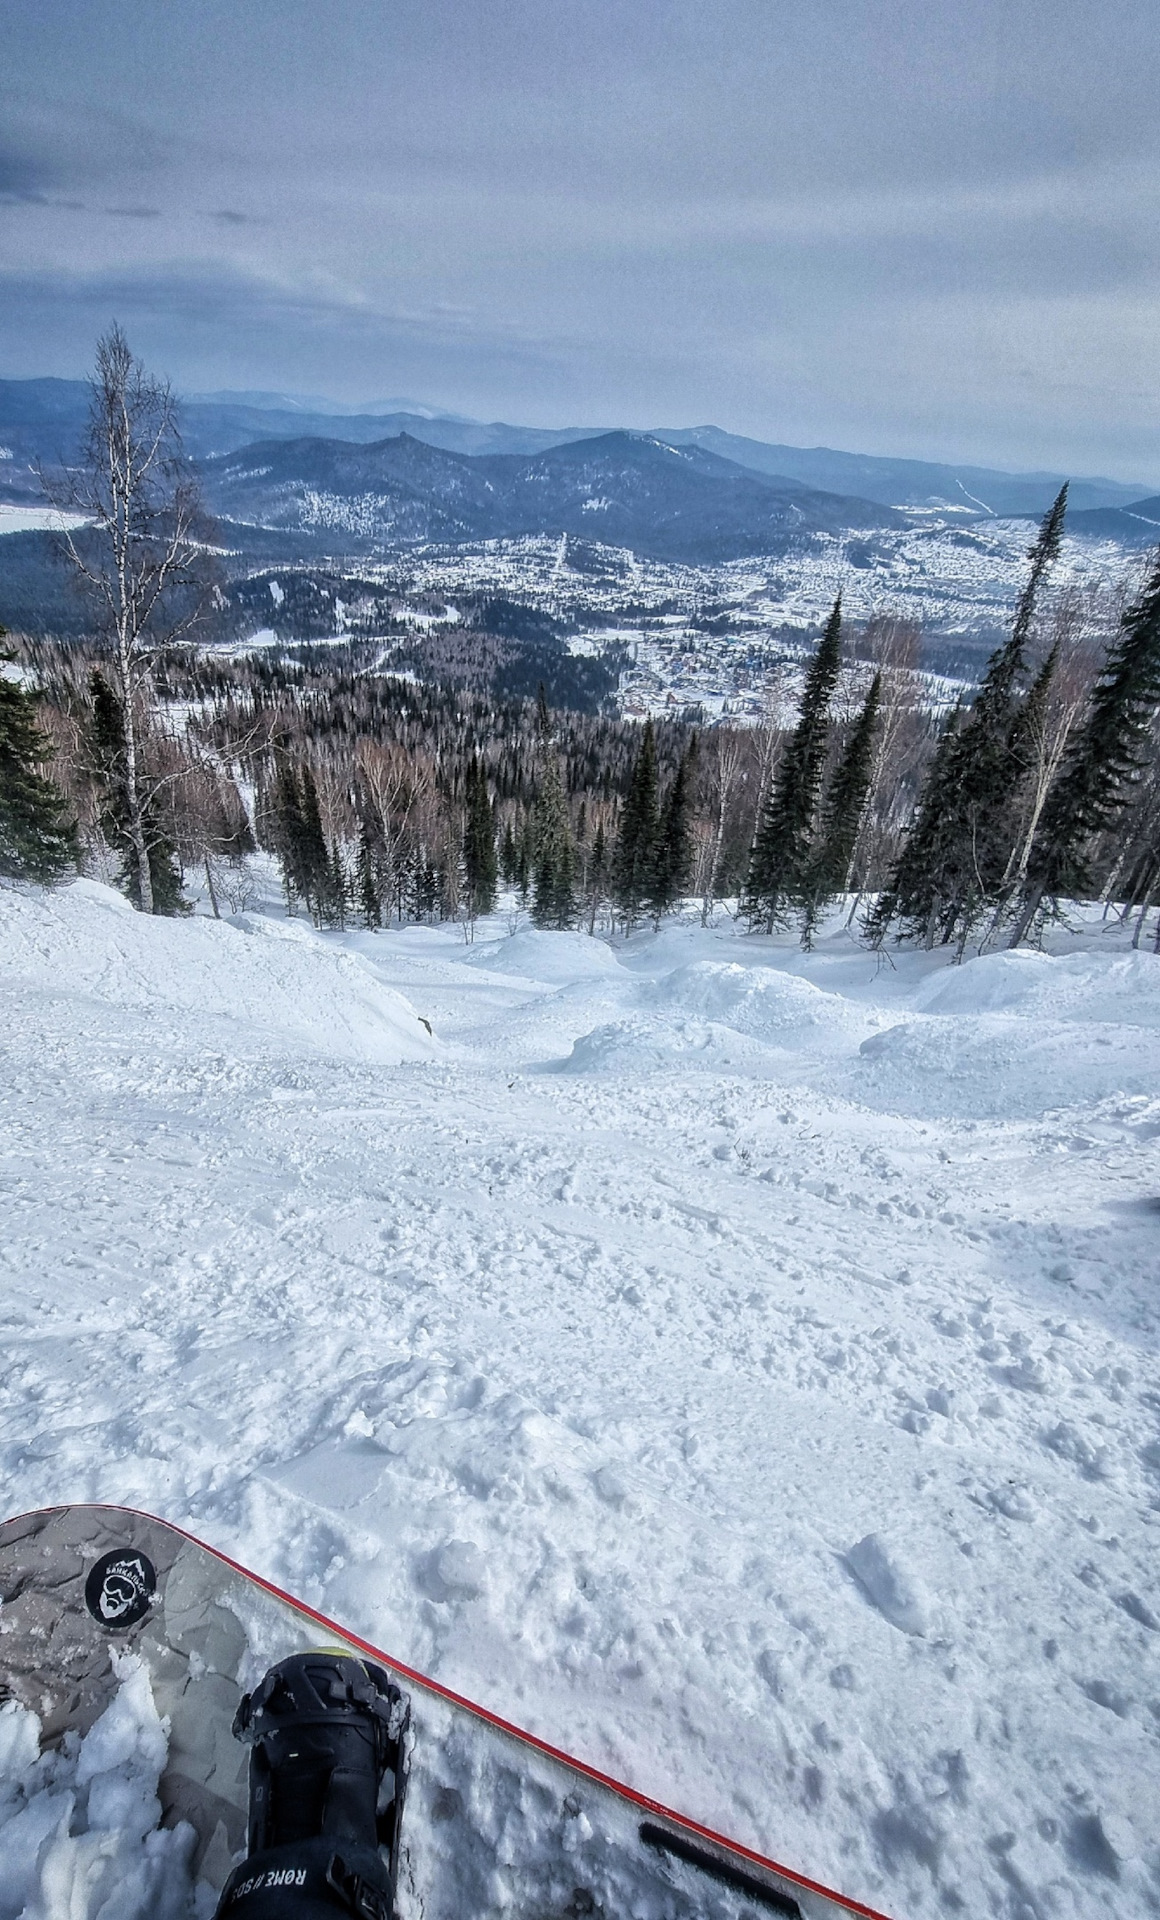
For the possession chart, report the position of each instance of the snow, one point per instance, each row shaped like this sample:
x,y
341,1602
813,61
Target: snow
x,y
14,519
79,1827
738,1366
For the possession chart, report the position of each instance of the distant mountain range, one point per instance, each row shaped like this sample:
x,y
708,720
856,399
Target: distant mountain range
x,y
622,489
42,420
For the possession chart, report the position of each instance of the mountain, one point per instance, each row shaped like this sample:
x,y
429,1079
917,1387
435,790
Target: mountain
x,y
972,491
1134,526
669,503
43,419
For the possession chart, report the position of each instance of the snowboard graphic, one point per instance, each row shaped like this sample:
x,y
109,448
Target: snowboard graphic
x,y
497,1822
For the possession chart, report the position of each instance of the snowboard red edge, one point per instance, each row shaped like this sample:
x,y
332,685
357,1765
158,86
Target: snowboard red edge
x,y
589,1772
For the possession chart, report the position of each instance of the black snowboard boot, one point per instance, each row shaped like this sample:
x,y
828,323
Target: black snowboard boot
x,y
327,1773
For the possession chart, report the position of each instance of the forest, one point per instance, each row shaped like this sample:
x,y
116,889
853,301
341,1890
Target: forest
x,y
144,752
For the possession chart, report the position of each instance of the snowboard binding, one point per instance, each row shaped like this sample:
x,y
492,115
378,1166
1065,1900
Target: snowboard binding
x,y
328,1769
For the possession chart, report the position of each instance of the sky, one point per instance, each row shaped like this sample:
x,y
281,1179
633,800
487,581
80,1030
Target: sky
x,y
922,227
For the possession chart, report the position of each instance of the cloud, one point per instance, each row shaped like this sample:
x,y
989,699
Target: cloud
x,y
230,217
134,213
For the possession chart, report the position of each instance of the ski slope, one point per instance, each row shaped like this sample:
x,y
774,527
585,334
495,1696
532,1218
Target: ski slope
x,y
739,1367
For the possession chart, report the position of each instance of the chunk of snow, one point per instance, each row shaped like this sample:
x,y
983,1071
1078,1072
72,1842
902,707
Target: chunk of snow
x,y
890,1584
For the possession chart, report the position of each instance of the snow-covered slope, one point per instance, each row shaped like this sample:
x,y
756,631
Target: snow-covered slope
x,y
739,1366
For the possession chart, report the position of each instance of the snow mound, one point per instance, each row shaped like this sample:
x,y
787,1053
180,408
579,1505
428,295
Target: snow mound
x,y
645,1043
894,1589
79,1832
1001,1066
1120,987
779,1008
277,976
553,959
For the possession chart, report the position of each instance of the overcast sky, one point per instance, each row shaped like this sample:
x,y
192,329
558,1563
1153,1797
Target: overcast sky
x,y
902,226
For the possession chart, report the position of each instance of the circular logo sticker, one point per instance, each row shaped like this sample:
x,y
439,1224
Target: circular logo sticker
x,y
120,1588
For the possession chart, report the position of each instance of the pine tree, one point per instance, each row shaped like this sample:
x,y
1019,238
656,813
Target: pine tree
x,y
509,863
37,838
596,877
1100,769
317,872
554,873
956,856
673,859
128,827
842,810
367,881
782,848
482,868
526,863
634,859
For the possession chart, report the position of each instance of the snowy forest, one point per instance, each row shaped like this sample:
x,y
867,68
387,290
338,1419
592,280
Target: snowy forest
x,y
144,755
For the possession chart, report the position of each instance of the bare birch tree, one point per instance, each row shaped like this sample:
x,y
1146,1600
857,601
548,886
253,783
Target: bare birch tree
x,y
141,557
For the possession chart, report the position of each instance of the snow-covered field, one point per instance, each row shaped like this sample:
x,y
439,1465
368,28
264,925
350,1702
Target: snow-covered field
x,y
738,1366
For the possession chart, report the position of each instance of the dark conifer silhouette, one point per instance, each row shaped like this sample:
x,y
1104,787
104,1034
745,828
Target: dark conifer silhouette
x,y
37,837
634,860
842,810
1099,771
955,859
783,846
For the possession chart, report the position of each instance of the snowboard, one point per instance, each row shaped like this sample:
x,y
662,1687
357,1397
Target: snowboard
x,y
497,1821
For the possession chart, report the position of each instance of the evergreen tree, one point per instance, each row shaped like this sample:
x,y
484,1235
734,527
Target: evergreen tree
x,y
335,892
554,875
954,862
124,825
673,860
479,859
37,838
596,877
317,871
1102,765
842,810
633,863
526,864
509,863
782,849
367,881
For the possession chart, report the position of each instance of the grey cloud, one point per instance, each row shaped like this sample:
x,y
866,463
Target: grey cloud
x,y
915,230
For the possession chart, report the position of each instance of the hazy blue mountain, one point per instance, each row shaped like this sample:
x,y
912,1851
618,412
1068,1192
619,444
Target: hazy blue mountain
x,y
1134,526
42,420
675,503
906,483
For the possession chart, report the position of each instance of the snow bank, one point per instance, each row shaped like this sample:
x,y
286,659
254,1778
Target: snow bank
x,y
278,977
651,1043
79,1833
557,959
1119,987
766,1004
1002,1065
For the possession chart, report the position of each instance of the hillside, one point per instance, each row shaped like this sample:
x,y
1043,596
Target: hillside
x,y
279,1267
622,489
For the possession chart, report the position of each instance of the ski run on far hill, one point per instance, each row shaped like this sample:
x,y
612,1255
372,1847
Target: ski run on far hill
x,y
738,1366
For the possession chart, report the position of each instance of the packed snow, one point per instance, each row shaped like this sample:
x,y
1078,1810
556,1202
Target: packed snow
x,y
79,1826
737,1366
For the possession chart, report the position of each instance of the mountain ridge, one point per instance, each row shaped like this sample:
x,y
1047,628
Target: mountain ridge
x,y
630,490
41,420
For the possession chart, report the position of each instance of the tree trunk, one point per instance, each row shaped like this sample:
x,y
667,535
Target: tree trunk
x,y
136,812
1026,915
